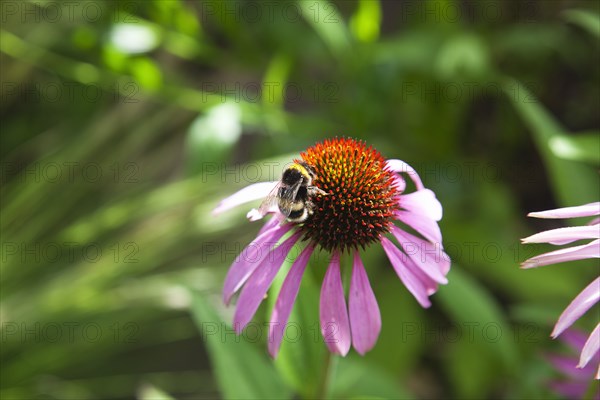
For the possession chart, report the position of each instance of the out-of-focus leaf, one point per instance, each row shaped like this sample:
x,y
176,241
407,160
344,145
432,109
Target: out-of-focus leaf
x,y
486,345
328,23
580,147
134,38
212,135
150,392
586,19
354,378
147,73
365,23
573,183
463,56
242,372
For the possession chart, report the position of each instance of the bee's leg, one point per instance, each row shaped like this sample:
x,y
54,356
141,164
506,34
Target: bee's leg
x,y
313,191
310,206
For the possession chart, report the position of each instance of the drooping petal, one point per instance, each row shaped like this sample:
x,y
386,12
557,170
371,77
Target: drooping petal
x,y
425,226
583,302
249,193
365,319
590,348
585,210
285,300
399,183
251,257
568,389
575,339
255,289
400,166
566,365
428,257
565,235
412,283
424,203
335,326
590,250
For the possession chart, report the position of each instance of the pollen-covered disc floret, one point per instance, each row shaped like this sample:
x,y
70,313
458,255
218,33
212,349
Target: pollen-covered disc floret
x,y
361,197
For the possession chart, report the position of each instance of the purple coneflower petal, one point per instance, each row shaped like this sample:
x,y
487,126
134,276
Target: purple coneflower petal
x,y
574,339
570,390
565,235
585,210
583,302
590,348
399,183
365,319
249,193
590,250
424,203
425,226
400,166
428,257
566,366
255,289
285,300
335,326
251,257
412,283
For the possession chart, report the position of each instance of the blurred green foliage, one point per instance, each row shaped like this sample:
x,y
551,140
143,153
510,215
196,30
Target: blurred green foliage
x,y
124,123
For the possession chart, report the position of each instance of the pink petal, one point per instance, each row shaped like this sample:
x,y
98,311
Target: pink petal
x,y
585,210
428,257
590,250
285,300
575,339
425,226
399,183
570,390
333,313
424,203
565,235
583,302
566,365
365,319
255,289
400,166
249,193
412,283
590,348
251,257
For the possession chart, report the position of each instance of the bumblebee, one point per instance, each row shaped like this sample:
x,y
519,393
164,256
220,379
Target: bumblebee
x,y
293,193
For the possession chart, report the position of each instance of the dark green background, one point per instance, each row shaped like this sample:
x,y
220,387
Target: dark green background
x,y
112,160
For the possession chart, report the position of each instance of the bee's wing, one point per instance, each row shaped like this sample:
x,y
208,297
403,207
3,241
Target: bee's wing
x,y
270,201
287,197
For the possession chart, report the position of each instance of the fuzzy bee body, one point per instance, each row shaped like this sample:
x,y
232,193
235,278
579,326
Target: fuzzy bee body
x,y
294,192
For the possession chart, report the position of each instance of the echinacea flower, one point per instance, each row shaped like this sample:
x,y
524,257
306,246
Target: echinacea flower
x,y
361,198
574,382
591,294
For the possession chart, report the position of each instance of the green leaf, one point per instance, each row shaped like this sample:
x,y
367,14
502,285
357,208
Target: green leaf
x,y
241,371
328,23
588,20
573,183
355,378
485,337
581,147
150,392
365,23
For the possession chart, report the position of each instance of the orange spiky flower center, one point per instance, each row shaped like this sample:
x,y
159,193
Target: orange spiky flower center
x,y
361,195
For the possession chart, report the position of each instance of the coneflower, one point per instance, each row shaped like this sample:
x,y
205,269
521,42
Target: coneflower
x,y
591,294
360,202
